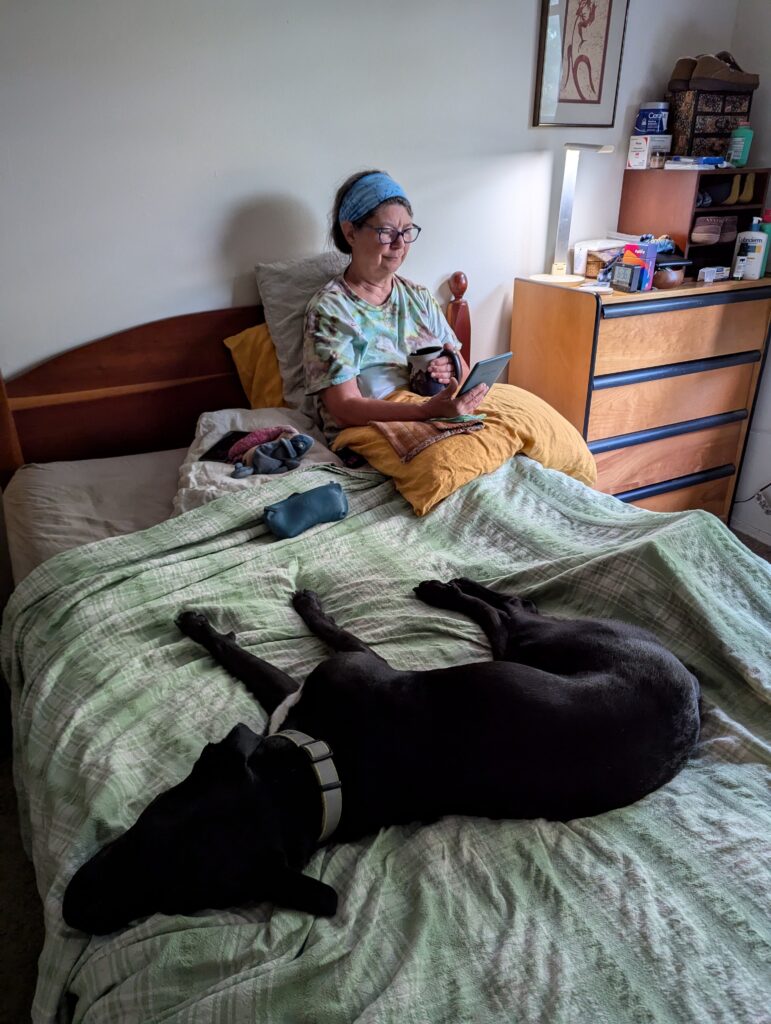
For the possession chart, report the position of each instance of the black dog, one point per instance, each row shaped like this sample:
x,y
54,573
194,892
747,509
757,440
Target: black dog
x,y
571,718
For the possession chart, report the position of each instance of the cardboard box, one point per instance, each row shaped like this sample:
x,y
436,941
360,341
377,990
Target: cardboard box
x,y
642,148
642,255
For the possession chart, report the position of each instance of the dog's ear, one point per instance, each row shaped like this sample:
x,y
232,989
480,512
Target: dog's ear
x,y
296,891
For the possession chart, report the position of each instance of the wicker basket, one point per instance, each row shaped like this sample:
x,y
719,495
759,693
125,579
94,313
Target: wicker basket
x,y
595,261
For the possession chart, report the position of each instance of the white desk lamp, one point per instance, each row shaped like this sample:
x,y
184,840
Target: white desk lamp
x,y
559,274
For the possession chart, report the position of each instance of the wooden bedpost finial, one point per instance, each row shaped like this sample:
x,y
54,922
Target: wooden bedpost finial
x,y
458,314
458,284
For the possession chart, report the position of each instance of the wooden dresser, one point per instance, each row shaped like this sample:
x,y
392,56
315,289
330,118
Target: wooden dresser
x,y
661,384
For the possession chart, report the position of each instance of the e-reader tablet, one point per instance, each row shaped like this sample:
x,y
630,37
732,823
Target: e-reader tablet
x,y
486,371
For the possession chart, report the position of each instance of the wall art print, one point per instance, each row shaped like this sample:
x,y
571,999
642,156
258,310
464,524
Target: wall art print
x,y
580,48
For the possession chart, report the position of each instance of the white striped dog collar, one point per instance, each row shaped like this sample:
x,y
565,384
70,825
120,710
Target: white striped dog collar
x,y
329,781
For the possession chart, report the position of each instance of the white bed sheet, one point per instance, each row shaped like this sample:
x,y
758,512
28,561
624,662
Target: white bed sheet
x,y
51,507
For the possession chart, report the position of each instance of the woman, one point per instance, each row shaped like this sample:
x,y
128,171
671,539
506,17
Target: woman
x,y
362,327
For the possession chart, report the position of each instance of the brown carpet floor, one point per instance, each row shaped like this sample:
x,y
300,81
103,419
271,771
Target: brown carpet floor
x,y
21,917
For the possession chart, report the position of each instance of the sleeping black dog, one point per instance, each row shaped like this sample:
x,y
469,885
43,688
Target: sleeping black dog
x,y
571,718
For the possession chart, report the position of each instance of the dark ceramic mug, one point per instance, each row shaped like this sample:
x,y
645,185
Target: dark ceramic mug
x,y
421,381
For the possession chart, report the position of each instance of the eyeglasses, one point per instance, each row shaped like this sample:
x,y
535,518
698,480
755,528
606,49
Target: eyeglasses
x,y
387,236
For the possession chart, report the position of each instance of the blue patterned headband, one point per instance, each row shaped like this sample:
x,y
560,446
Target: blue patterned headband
x,y
367,193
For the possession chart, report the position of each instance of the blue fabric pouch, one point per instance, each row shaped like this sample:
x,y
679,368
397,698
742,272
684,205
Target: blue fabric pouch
x,y
302,510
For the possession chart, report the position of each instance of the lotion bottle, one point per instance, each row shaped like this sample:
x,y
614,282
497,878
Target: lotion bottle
x,y
739,145
765,227
752,245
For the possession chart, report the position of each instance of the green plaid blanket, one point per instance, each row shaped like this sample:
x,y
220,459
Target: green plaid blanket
x,y
657,912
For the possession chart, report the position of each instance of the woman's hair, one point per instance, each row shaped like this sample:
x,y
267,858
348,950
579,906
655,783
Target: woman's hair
x,y
336,230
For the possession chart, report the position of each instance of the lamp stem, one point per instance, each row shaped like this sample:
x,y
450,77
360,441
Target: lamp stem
x,y
560,264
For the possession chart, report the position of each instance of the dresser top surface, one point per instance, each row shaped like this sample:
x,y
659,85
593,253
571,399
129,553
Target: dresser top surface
x,y
688,289
685,290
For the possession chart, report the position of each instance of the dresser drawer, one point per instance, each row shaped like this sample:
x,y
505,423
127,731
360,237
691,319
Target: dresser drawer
x,y
624,469
712,496
656,339
664,400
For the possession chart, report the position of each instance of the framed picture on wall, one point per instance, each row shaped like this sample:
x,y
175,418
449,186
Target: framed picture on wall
x,y
580,46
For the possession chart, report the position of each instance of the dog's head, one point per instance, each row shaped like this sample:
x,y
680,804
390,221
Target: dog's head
x,y
215,840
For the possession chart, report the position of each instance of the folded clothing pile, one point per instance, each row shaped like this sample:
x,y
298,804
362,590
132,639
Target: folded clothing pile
x,y
269,450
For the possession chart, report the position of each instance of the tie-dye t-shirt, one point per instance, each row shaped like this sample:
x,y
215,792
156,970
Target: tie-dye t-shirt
x,y
347,337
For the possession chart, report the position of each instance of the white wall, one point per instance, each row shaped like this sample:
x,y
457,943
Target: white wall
x,y
153,151
751,47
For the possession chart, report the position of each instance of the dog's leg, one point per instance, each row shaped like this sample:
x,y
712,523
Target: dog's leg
x,y
308,607
504,602
495,613
267,684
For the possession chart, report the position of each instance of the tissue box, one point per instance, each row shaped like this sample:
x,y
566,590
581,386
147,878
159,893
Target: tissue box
x,y
642,148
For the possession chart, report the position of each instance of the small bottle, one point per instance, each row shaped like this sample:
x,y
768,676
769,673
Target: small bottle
x,y
739,144
748,252
740,261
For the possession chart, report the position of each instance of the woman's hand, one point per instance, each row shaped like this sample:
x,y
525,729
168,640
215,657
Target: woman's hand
x,y
442,368
445,405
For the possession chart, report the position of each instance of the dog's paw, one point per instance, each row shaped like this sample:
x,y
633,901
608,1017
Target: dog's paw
x,y
435,592
306,600
195,625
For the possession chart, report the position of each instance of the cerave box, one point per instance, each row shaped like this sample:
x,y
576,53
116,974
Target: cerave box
x,y
642,148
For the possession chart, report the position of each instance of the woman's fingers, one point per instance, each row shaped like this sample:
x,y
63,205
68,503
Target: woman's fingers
x,y
441,369
445,404
468,403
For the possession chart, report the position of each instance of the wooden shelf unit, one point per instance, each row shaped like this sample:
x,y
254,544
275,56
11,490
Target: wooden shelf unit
x,y
661,384
664,203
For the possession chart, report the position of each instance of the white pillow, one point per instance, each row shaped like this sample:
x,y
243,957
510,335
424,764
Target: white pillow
x,y
285,288
201,482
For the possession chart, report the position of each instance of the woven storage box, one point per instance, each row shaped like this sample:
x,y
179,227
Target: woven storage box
x,y
701,122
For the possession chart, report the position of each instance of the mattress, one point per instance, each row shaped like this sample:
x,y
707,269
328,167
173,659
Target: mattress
x,y
653,912
52,507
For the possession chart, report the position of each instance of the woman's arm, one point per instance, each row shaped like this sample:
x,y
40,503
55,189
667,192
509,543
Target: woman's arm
x,y
348,407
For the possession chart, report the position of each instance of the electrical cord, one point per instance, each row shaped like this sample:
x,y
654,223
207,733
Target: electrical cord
x,y
741,501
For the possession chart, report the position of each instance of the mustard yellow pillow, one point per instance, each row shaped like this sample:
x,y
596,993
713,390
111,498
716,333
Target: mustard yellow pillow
x,y
517,421
255,359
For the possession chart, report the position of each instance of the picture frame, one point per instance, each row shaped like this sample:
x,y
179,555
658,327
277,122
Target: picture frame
x,y
580,49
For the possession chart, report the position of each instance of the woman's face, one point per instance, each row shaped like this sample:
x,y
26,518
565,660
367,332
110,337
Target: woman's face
x,y
371,257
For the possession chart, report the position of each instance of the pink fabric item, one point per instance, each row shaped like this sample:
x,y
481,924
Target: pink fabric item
x,y
260,436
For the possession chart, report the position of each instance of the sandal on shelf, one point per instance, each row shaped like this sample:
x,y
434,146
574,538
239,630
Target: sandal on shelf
x,y
749,189
733,195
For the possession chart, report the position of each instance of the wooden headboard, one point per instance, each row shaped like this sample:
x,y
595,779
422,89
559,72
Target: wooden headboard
x,y
139,390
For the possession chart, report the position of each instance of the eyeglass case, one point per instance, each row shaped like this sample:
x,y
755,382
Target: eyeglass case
x,y
302,510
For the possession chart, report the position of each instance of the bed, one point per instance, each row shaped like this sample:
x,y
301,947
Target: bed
x,y
655,912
